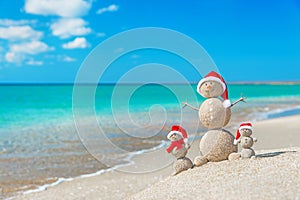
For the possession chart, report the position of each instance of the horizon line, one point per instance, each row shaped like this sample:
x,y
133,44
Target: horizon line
x,y
168,83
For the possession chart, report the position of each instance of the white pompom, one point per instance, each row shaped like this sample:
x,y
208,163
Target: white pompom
x,y
235,142
185,140
226,103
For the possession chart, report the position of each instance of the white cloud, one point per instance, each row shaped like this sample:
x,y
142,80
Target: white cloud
x,y
68,59
18,52
111,8
10,22
62,8
32,47
19,33
77,43
34,62
67,27
13,57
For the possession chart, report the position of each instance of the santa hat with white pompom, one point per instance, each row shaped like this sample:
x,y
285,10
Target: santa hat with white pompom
x,y
214,76
245,125
176,129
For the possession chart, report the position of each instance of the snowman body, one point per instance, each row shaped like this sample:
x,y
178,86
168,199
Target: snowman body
x,y
179,153
217,144
178,147
213,115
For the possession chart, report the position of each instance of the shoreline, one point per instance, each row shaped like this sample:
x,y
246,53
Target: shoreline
x,y
264,143
127,159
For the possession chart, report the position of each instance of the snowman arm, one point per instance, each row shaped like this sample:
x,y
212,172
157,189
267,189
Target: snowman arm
x,y
185,104
187,146
236,102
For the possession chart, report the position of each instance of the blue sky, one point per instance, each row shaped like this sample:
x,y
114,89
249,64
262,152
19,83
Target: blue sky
x,y
45,41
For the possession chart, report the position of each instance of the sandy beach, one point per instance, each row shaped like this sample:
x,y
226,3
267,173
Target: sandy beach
x,y
274,174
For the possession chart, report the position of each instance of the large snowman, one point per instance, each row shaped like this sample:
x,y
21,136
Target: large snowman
x,y
217,144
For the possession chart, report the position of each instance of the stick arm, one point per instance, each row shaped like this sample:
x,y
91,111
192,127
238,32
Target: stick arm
x,y
242,99
185,104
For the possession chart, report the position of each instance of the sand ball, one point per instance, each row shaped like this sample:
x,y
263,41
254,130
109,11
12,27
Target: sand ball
x,y
182,165
213,115
234,156
200,160
217,145
247,153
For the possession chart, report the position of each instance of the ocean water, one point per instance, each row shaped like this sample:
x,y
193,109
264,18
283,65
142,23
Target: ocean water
x,y
43,142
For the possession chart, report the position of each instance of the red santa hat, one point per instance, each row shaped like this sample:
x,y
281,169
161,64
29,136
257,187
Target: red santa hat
x,y
176,129
214,76
245,125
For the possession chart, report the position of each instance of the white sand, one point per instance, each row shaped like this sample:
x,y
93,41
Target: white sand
x,y
272,176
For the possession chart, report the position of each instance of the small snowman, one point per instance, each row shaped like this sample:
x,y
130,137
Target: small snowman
x,y
214,113
243,137
179,148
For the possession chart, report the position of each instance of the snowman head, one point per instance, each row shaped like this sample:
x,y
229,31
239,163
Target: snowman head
x,y
211,89
212,86
177,133
175,137
246,132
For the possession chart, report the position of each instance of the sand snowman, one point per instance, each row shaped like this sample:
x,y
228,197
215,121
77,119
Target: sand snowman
x,y
217,144
243,137
179,148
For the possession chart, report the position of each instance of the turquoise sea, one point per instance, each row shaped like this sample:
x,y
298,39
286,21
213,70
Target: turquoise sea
x,y
39,142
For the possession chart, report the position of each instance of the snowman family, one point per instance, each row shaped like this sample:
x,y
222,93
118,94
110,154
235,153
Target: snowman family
x,y
217,144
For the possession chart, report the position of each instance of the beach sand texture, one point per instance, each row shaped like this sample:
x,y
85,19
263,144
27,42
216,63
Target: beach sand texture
x,y
274,174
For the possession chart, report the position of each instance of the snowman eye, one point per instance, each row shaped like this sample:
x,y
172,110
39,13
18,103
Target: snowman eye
x,y
211,83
